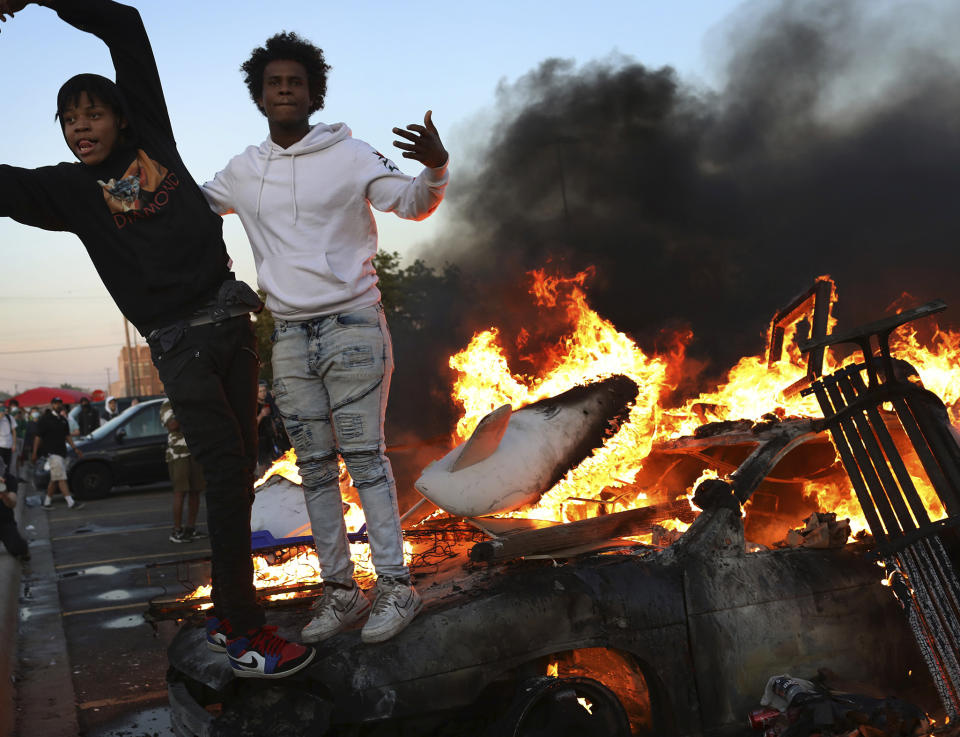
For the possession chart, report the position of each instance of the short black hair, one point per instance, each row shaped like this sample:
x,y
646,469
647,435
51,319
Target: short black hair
x,y
287,46
104,90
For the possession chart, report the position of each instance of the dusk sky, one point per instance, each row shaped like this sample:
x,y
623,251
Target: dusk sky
x,y
391,62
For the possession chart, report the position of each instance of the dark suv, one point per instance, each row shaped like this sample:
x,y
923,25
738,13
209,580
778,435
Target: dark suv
x,y
127,450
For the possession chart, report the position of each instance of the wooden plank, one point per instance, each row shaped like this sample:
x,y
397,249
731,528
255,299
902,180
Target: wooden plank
x,y
582,532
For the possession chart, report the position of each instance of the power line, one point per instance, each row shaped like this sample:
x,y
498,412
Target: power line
x,y
56,350
53,299
46,375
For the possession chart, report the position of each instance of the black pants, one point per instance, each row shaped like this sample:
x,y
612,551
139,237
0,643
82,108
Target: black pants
x,y
11,538
210,376
9,534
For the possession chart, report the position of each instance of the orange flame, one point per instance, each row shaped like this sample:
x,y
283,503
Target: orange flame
x,y
594,349
286,466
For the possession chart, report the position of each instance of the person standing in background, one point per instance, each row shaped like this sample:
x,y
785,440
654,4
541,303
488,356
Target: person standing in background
x,y
53,433
88,419
266,440
8,436
20,417
187,478
109,409
29,433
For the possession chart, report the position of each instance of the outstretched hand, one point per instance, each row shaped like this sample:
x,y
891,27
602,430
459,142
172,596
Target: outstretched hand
x,y
425,145
9,7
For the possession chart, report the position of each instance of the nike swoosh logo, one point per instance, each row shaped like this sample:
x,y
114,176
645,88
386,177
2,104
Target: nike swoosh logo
x,y
251,664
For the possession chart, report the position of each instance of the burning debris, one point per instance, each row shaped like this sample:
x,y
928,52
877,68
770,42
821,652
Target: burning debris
x,y
512,458
820,530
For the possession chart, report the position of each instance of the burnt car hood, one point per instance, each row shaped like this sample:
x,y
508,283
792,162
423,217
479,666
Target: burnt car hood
x,y
706,623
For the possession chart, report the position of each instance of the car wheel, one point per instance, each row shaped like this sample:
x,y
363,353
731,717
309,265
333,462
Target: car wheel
x,y
565,707
91,481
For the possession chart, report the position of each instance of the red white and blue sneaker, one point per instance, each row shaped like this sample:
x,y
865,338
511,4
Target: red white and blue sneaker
x,y
260,653
218,632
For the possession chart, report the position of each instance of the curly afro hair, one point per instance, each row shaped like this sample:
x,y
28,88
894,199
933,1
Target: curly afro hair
x,y
287,46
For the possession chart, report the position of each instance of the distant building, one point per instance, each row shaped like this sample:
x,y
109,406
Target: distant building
x,y
138,376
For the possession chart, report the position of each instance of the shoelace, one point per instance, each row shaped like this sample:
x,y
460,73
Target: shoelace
x,y
385,598
266,642
221,626
325,602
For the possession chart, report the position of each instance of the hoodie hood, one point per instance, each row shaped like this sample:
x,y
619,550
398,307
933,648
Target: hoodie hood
x,y
319,137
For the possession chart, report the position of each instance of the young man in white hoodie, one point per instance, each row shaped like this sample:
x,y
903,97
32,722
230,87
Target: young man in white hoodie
x,y
304,197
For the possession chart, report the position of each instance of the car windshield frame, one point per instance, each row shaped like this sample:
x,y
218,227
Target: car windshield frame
x,y
121,419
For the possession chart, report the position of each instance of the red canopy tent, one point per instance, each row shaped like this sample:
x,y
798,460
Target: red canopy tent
x,y
43,394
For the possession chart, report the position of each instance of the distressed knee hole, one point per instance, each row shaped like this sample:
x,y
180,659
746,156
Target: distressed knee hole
x,y
320,472
366,468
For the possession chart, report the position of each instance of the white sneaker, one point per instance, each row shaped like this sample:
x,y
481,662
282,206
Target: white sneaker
x,y
396,605
335,610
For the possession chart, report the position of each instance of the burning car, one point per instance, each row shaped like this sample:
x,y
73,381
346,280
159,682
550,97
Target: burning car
x,y
633,613
624,639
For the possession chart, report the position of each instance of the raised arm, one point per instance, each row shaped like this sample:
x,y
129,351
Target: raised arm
x,y
424,144
28,196
11,7
120,28
411,198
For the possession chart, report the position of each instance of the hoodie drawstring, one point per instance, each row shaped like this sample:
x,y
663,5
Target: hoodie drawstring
x,y
263,175
293,185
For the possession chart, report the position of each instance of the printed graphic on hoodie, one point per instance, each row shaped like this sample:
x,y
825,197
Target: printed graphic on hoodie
x,y
388,165
141,191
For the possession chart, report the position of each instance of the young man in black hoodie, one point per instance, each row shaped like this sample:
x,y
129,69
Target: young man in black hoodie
x,y
160,252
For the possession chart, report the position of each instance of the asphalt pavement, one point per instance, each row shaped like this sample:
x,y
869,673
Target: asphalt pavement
x,y
87,662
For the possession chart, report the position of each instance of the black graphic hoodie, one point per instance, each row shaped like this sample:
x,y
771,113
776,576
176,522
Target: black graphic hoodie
x,y
142,218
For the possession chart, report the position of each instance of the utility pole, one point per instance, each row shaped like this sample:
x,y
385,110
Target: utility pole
x,y
129,377
137,374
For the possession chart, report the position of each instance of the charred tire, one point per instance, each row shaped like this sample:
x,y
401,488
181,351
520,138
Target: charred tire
x,y
91,481
563,707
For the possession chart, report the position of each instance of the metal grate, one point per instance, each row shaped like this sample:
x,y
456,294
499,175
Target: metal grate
x,y
921,573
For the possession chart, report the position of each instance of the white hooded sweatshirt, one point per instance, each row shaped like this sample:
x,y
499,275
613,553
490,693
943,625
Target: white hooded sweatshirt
x,y
306,210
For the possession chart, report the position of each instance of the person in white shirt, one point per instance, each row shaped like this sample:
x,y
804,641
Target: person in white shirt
x,y
8,436
304,196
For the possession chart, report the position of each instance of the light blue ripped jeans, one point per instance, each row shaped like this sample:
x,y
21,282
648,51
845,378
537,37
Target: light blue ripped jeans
x,y
331,378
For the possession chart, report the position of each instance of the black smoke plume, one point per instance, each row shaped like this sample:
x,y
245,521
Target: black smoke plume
x,y
833,147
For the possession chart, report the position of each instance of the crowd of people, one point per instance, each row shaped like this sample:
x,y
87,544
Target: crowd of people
x,y
19,426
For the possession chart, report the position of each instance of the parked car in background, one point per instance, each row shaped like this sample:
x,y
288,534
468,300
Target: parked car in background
x,y
127,450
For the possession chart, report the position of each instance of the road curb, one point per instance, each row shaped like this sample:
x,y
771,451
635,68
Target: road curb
x,y
10,569
45,695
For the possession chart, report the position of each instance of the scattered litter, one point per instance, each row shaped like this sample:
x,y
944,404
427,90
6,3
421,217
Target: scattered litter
x,y
821,530
794,707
